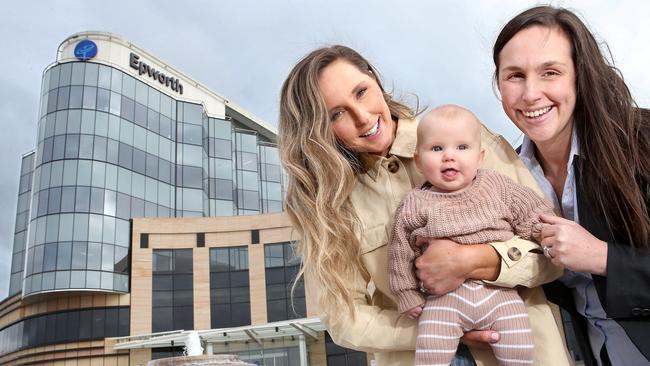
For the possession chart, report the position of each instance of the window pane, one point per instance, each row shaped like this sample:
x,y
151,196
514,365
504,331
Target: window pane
x,y
182,298
162,298
162,283
192,134
183,260
247,161
112,322
247,142
103,100
79,254
108,257
220,316
240,294
76,93
89,97
98,323
161,319
63,99
127,109
94,255
192,177
182,281
239,278
276,310
192,113
274,255
241,315
223,189
92,70
162,261
49,257
183,317
64,256
220,296
85,324
77,73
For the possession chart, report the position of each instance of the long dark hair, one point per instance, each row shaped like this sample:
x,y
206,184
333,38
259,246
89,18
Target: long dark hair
x,y
611,130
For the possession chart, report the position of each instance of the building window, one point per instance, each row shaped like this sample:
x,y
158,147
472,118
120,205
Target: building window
x,y
172,297
64,327
281,269
22,222
229,287
288,355
270,179
339,356
166,352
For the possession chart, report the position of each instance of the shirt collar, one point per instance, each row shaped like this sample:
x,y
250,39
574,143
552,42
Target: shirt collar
x,y
527,151
403,146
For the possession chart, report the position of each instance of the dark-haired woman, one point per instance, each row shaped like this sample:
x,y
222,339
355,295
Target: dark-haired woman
x,y
587,146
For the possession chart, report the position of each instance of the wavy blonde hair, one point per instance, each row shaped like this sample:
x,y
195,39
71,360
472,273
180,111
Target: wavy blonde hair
x,y
321,175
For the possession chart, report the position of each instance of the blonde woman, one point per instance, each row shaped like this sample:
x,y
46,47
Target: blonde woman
x,y
347,147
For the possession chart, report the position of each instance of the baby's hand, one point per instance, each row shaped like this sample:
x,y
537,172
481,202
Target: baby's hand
x,y
415,312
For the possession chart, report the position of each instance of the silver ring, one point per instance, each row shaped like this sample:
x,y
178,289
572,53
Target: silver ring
x,y
422,289
547,252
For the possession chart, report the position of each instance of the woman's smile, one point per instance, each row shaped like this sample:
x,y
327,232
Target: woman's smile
x,y
360,118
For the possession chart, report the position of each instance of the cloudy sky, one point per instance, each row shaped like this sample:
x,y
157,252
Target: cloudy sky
x,y
243,49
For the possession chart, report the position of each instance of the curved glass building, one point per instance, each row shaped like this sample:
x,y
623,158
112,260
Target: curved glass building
x,y
111,147
149,207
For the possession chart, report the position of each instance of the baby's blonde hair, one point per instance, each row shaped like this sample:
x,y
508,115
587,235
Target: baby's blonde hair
x,y
447,113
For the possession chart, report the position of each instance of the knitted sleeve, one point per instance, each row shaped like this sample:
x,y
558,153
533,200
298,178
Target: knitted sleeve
x,y
401,260
526,206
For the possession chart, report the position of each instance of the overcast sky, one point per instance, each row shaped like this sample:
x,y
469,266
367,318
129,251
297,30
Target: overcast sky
x,y
243,50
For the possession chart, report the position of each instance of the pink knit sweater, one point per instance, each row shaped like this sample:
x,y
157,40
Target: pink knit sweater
x,y
493,208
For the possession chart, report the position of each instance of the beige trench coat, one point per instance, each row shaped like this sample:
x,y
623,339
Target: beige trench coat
x,y
378,328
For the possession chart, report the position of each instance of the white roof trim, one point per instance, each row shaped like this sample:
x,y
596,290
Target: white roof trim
x,y
257,333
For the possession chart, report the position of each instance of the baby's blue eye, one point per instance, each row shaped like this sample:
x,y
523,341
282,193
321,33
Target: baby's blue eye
x,y
437,148
463,147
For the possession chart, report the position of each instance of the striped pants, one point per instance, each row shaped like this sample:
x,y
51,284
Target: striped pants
x,y
474,306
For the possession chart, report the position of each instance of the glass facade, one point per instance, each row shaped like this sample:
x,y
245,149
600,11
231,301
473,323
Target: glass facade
x,y
270,179
220,165
281,356
281,269
111,148
230,302
172,296
246,173
22,220
340,356
65,326
165,352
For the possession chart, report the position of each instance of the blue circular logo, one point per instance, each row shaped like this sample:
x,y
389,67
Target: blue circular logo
x,y
85,50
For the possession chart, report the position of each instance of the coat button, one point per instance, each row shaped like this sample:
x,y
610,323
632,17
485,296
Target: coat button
x,y
636,311
393,167
514,254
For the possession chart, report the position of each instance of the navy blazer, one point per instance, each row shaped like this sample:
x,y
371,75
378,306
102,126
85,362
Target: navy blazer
x,y
624,292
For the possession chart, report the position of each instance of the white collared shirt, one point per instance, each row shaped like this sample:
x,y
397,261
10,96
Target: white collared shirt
x,y
602,331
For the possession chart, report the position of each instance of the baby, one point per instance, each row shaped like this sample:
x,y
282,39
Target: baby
x,y
468,205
